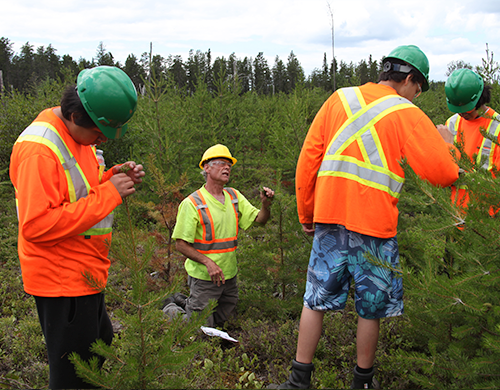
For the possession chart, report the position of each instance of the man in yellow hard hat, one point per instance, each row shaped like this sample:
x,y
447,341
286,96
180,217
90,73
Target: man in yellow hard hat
x,y
65,201
206,232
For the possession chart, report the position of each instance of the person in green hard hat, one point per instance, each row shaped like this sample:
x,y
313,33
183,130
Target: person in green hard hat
x,y
467,96
65,201
348,182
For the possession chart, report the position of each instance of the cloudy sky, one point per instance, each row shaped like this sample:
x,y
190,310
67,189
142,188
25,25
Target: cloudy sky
x,y
445,30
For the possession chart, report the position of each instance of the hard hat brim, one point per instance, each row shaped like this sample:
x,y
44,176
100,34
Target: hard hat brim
x,y
112,132
202,163
461,109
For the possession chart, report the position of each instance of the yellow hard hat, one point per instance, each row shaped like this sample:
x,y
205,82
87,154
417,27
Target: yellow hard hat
x,y
216,151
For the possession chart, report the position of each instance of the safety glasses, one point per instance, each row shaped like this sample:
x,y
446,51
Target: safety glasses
x,y
418,92
220,163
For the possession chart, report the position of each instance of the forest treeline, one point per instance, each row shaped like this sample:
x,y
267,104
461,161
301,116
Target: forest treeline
x,y
31,65
21,71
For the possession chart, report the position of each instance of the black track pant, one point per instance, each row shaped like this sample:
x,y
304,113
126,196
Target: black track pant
x,y
72,324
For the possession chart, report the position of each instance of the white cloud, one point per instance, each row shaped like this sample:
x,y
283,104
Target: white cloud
x,y
444,30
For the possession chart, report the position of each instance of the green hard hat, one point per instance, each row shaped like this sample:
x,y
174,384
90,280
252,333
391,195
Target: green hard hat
x,y
463,90
109,97
415,57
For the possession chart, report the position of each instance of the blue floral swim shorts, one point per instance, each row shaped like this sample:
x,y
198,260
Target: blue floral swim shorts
x,y
338,256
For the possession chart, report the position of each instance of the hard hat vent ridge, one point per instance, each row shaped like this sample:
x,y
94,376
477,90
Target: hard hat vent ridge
x,y
109,97
216,151
463,90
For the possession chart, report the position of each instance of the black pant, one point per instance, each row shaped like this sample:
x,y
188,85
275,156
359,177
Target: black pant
x,y
72,324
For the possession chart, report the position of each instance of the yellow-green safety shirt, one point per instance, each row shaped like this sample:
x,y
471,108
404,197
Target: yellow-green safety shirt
x,y
188,227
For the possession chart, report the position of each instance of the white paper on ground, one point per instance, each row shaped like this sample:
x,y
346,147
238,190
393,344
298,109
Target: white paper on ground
x,y
216,332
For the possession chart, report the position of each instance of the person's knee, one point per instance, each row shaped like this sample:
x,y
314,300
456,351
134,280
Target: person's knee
x,y
224,312
173,311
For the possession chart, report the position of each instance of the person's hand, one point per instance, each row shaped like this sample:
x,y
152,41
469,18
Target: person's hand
x,y
445,133
216,274
308,228
123,184
266,196
133,170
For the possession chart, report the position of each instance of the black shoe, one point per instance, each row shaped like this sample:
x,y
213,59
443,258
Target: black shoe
x,y
364,381
167,301
178,298
300,377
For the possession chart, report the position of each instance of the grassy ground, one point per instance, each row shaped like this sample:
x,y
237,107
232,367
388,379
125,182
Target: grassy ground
x,y
266,327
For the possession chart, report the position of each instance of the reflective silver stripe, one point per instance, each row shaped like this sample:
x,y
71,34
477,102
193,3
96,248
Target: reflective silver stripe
x,y
205,219
105,226
364,173
352,98
106,223
216,246
360,125
372,149
488,145
69,164
234,200
452,125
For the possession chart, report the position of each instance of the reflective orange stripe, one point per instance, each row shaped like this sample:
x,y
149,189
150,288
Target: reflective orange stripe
x,y
208,243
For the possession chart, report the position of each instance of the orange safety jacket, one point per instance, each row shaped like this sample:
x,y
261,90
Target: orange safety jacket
x,y
78,186
208,243
349,170
467,132
64,204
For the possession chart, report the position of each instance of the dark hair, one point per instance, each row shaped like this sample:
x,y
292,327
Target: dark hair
x,y
485,96
71,104
393,75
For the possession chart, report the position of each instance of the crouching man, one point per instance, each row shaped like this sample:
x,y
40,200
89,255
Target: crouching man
x,y
206,232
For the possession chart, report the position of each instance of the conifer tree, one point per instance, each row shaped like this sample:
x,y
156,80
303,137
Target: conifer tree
x,y
451,267
275,255
151,350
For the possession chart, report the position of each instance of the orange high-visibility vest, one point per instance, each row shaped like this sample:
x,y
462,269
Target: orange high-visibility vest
x,y
349,170
467,132
373,170
208,243
486,148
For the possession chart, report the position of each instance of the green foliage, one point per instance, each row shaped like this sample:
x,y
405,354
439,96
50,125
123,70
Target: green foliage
x,y
8,224
151,350
18,110
22,352
225,366
276,256
451,278
448,338
19,328
433,103
489,68
264,132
